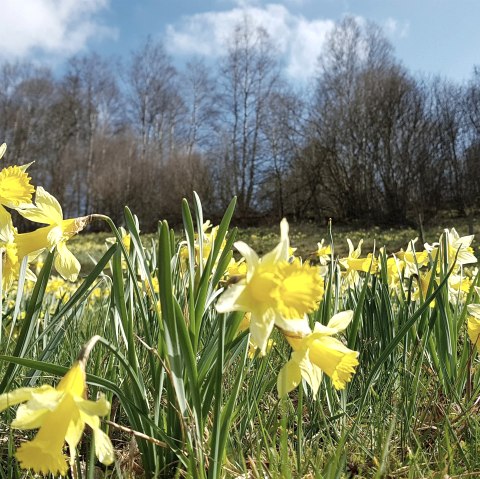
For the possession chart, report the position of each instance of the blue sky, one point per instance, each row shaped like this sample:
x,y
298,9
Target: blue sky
x,y
429,36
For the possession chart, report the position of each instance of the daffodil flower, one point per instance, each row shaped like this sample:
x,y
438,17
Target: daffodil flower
x,y
413,260
8,248
462,245
275,291
47,210
324,252
423,282
317,353
458,287
394,268
459,247
60,414
353,263
15,187
474,322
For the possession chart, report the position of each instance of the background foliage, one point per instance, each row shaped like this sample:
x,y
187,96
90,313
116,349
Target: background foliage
x,y
366,140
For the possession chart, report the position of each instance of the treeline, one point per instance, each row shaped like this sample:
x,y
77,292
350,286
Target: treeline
x,y
366,141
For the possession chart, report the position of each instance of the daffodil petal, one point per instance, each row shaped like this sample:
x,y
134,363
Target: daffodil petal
x,y
289,378
260,329
309,371
54,236
33,243
249,254
103,447
45,399
6,226
28,418
298,327
101,407
229,300
74,381
474,310
74,432
65,262
19,395
340,321
46,210
281,251
474,330
26,166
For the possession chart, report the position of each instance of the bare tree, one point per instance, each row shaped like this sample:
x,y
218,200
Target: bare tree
x,y
91,86
154,102
365,126
248,78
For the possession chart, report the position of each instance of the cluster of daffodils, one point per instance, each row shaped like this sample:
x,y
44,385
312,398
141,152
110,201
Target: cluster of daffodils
x,y
203,247
280,292
16,193
417,266
60,415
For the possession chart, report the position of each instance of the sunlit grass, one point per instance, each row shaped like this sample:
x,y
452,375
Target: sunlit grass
x,y
190,397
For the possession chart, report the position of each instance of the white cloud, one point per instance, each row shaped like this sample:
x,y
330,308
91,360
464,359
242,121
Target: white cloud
x,y
394,29
52,27
298,40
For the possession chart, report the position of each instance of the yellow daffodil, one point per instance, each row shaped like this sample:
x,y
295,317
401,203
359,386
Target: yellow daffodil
x,y
423,282
474,325
460,244
353,263
245,324
10,263
236,268
317,353
323,253
209,235
60,414
394,269
8,247
458,287
15,187
48,210
275,291
413,261
459,247
473,322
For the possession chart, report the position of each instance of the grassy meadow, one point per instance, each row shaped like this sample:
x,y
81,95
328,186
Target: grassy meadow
x,y
185,384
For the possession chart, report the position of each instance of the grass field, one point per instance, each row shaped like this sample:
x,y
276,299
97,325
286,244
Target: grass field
x,y
388,388
89,247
